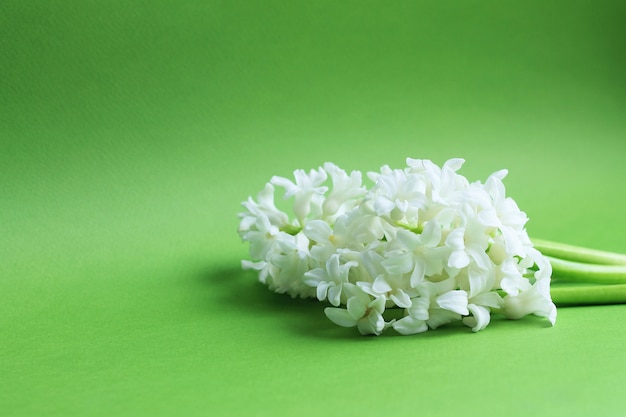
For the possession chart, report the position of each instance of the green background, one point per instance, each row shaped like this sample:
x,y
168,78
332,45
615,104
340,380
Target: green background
x,y
130,132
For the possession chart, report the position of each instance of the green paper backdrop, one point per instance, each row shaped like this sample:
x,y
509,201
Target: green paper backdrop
x,y
132,130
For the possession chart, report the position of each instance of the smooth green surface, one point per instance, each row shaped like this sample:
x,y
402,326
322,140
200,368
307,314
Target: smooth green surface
x,y
131,131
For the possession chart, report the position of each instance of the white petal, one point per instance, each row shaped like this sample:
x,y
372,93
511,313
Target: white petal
x,y
489,299
410,325
332,266
431,235
479,319
513,285
455,239
373,324
419,308
302,243
322,291
446,216
439,316
381,286
455,301
356,307
479,281
409,239
500,174
317,230
531,301
552,315
339,316
245,264
441,287
398,264
334,295
403,205
401,299
378,305
371,261
489,218
414,163
314,277
458,259
417,276
481,259
512,242
543,287
383,206
454,164
434,259
494,185
289,186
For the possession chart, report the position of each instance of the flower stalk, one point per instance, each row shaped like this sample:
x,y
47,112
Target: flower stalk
x,y
590,273
577,271
588,295
578,253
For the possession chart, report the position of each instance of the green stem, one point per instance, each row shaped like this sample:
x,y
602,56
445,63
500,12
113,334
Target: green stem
x,y
588,295
589,273
578,254
417,229
290,229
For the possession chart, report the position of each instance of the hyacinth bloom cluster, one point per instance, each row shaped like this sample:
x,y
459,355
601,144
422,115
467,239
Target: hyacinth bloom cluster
x,y
419,248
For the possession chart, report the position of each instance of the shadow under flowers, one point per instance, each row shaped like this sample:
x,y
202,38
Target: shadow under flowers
x,y
235,289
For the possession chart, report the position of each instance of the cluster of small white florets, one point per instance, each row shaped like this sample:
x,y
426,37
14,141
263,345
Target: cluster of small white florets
x,y
422,239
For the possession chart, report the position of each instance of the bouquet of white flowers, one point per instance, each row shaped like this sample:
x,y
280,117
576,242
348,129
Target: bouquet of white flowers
x,y
422,241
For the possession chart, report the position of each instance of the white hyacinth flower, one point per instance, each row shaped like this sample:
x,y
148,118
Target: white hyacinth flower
x,y
307,191
329,281
422,240
362,310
